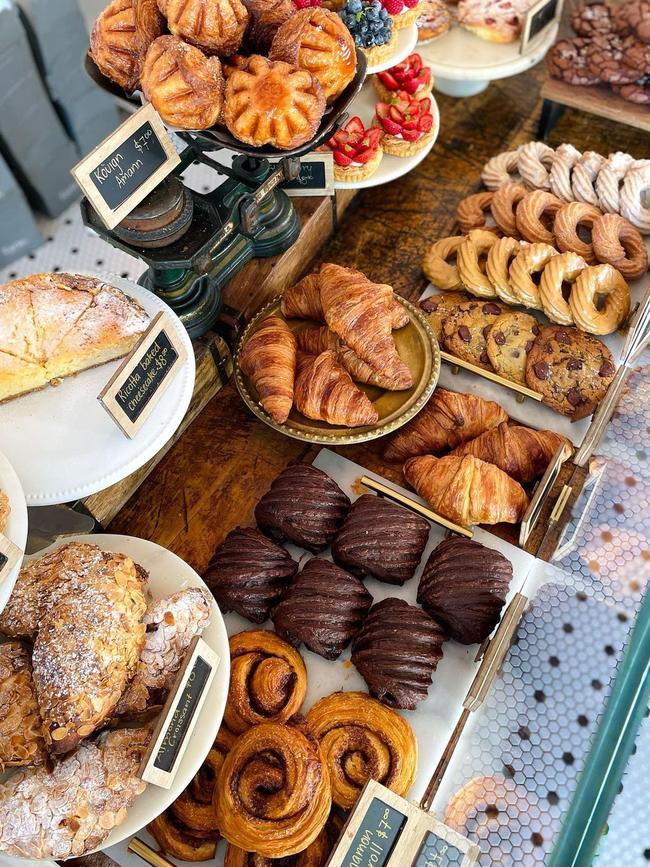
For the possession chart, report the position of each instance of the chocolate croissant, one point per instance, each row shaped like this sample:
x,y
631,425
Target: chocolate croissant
x,y
324,391
381,539
21,726
264,19
323,610
248,574
467,490
397,651
521,452
215,26
269,359
448,419
464,587
120,39
304,506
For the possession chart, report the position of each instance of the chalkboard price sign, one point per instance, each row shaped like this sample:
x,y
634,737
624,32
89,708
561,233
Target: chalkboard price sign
x,y
120,172
316,176
377,834
10,556
538,18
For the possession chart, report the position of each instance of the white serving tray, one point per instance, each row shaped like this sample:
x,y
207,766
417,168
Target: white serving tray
x,y
16,529
406,39
62,442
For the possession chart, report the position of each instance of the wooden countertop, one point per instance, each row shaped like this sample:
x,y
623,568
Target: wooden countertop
x,y
211,479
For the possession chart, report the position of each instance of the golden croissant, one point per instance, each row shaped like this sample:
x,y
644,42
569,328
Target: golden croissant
x,y
325,392
449,419
467,490
269,359
521,452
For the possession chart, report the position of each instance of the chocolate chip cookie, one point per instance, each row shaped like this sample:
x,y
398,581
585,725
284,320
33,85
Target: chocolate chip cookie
x,y
510,340
570,369
465,330
567,60
439,306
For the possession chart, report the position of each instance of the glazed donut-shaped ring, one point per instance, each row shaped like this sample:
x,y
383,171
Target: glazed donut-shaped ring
x,y
362,739
535,161
471,254
471,211
636,181
268,680
585,172
504,202
497,267
534,214
436,265
559,271
608,182
567,221
594,284
531,260
564,159
501,170
618,243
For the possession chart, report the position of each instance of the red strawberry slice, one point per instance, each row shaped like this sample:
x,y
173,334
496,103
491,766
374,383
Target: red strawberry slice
x,y
425,105
354,125
410,122
425,123
411,86
395,114
382,109
415,61
390,126
341,159
388,80
365,156
373,137
410,134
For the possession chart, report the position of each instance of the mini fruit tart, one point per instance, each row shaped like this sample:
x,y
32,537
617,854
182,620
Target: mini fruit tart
x,y
372,29
357,151
411,76
403,12
407,123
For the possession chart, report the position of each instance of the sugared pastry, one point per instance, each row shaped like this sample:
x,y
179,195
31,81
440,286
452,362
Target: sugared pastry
x,y
438,307
535,161
464,587
304,506
264,19
570,369
357,151
183,85
606,58
501,169
357,733
638,93
403,12
620,244
120,39
448,419
592,314
273,795
559,176
215,26
493,20
521,452
584,175
381,539
371,27
465,330
407,123
397,651
567,60
467,490
318,41
609,180
508,343
70,810
633,16
435,18
633,208
273,103
269,359
21,726
590,19
325,392
248,574
410,76
5,510
323,609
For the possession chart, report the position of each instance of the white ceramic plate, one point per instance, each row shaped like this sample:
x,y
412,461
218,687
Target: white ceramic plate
x,y
16,529
62,442
168,574
406,39
390,168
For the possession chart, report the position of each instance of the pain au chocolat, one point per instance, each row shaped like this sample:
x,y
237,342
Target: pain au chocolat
x,y
318,40
120,39
215,26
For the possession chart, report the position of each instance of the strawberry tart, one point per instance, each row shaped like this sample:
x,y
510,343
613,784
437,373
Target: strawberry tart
x,y
357,151
494,20
403,12
411,76
407,123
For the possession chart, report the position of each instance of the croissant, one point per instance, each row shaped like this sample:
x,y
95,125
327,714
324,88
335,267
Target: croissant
x,y
215,26
519,451
269,358
448,419
120,39
358,311
467,490
313,341
325,392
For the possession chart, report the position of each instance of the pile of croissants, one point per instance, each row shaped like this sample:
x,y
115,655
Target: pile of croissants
x,y
316,370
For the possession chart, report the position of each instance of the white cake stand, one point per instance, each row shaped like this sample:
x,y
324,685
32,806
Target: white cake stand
x,y
464,65
406,39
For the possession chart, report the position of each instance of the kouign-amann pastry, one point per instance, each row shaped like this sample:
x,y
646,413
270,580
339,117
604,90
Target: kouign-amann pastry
x,y
324,391
183,85
21,726
121,36
362,739
464,587
264,19
508,343
398,672
248,574
269,358
304,506
323,609
381,539
216,26
5,510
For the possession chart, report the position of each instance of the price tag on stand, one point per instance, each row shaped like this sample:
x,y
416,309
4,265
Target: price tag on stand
x,y
538,18
134,390
316,176
121,171
10,556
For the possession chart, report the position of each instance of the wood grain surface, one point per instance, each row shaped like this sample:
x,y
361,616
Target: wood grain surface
x,y
212,477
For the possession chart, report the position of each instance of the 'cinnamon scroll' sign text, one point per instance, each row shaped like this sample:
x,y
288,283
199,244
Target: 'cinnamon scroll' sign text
x,y
10,556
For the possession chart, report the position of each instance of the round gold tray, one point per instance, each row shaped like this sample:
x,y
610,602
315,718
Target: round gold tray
x,y
418,347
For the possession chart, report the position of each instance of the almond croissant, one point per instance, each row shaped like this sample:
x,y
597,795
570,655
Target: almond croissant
x,y
325,392
467,490
519,451
269,359
447,420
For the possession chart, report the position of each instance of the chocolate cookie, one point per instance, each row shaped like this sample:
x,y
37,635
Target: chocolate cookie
x,y
634,17
567,61
570,369
510,340
591,19
323,610
636,55
465,330
639,92
605,59
439,306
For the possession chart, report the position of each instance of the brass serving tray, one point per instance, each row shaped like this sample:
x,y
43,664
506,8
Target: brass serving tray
x,y
418,348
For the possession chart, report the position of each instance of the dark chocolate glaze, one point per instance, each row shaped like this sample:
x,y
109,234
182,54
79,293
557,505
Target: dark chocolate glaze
x,y
464,587
397,651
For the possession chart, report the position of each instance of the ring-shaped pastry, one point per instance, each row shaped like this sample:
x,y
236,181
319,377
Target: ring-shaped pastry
x,y
567,221
472,210
535,161
471,263
559,271
497,267
617,242
584,175
592,285
436,264
501,169
636,181
559,176
504,202
531,260
609,180
535,215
